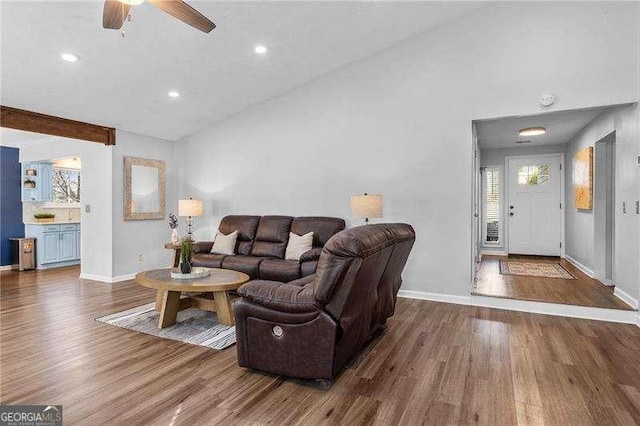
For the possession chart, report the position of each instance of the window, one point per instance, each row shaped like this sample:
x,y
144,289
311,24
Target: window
x,y
491,205
533,175
66,185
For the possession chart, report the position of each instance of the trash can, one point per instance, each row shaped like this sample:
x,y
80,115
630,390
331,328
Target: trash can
x,y
23,253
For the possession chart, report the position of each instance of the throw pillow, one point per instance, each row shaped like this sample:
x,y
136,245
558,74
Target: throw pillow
x,y
298,244
224,244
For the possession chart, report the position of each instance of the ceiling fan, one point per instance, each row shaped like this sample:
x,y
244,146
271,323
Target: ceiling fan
x,y
116,11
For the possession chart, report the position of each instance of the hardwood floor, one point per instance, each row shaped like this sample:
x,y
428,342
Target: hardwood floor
x,y
583,291
435,364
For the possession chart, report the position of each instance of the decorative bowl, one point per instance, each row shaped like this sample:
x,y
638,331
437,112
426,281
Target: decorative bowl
x,y
195,273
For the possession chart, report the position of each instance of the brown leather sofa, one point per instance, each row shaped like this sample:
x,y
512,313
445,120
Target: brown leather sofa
x,y
262,242
310,327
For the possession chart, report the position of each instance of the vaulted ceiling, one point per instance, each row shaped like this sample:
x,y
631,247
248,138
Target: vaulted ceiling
x,y
123,82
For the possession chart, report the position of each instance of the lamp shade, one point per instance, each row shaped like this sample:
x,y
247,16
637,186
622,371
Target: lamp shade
x,y
190,207
366,206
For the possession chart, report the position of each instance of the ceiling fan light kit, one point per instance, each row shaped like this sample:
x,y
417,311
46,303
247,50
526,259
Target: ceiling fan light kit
x,y
115,12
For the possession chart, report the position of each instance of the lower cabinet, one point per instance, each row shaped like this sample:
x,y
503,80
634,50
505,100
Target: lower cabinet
x,y
56,245
68,242
51,247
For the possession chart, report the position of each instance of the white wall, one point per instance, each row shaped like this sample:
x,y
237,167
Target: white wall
x,y
496,156
625,121
141,237
97,173
399,124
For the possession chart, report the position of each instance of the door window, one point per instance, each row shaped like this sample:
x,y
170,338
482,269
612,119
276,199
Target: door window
x,y
533,175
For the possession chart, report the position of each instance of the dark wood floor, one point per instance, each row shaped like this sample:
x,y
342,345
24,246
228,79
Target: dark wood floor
x,y
435,364
583,291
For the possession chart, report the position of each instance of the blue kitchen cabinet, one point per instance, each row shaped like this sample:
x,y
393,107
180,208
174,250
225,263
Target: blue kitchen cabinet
x,y
50,249
56,245
67,246
46,182
37,182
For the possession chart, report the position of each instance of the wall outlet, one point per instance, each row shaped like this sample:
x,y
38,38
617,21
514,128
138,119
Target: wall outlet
x,y
87,208
140,258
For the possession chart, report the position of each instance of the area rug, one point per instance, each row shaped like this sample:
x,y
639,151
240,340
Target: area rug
x,y
193,326
535,269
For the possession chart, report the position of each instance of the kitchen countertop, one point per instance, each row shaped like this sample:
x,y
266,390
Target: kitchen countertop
x,y
57,222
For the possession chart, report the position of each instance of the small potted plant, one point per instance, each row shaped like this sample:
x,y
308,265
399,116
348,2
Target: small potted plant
x,y
173,224
186,251
44,217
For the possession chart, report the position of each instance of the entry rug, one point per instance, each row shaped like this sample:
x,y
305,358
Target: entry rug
x,y
535,269
193,326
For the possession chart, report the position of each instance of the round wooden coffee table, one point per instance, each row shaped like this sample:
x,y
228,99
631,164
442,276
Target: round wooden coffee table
x,y
212,293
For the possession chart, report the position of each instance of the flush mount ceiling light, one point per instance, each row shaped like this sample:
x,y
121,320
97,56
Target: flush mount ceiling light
x,y
532,131
132,2
260,49
69,57
173,94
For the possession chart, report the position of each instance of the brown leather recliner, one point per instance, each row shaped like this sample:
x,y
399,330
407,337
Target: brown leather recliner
x,y
310,327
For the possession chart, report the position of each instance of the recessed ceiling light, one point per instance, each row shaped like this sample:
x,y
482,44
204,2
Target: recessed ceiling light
x,y
131,2
532,131
260,49
70,57
173,94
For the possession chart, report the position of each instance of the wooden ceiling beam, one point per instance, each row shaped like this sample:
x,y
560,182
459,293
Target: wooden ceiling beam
x,y
30,121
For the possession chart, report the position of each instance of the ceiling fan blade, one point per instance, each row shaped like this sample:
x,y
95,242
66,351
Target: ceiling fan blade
x,y
185,13
114,14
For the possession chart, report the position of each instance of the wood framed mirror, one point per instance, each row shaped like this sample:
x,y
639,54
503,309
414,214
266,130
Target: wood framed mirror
x,y
144,189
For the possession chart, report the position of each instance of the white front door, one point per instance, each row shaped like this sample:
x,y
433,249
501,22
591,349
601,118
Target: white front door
x,y
534,212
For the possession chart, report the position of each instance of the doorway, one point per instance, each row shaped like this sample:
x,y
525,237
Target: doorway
x,y
537,245
534,213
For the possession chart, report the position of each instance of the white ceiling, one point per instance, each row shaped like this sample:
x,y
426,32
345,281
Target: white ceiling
x,y
18,138
123,82
561,127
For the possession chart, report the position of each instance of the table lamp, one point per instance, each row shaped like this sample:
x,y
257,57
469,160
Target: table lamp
x,y
366,206
189,208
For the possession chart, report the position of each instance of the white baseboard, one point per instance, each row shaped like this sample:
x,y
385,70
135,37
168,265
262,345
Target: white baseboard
x,y
579,265
435,297
93,277
121,278
626,297
5,268
556,309
104,279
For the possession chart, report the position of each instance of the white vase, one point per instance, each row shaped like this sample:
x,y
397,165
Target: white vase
x,y
175,238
